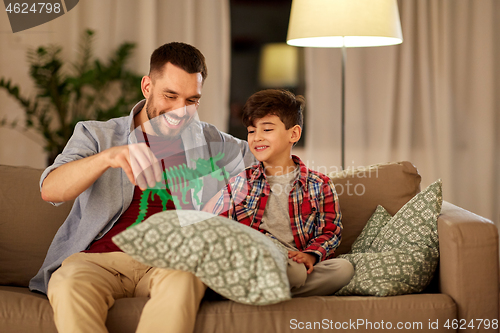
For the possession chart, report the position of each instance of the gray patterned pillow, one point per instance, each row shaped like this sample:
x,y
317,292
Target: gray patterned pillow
x,y
415,224
371,230
390,273
404,254
233,259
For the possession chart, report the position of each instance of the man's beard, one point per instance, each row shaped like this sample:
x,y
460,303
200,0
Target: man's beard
x,y
157,123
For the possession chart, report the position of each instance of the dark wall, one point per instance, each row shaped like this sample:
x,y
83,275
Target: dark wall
x,y
253,24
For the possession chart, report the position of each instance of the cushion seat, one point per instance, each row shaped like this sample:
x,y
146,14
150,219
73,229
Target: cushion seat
x,y
21,308
34,310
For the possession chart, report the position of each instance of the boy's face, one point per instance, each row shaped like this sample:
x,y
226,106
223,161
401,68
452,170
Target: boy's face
x,y
269,140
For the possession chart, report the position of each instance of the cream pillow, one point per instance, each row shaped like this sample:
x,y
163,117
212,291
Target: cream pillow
x,y
232,259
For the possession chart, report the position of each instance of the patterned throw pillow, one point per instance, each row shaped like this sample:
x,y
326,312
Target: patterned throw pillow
x,y
404,254
390,273
372,228
234,260
415,224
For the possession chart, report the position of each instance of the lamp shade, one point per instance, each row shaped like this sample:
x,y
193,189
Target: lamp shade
x,y
278,66
349,23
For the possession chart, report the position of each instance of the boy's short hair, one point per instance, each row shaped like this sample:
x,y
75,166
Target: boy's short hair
x,y
280,102
182,55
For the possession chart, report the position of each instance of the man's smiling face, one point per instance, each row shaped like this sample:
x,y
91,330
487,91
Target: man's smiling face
x,y
172,99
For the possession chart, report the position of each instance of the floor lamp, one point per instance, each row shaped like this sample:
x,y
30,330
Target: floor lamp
x,y
343,24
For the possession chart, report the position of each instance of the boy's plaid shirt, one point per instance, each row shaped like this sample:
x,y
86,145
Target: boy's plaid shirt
x,y
313,207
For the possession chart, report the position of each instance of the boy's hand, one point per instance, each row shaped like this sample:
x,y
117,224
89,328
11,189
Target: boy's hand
x,y
307,259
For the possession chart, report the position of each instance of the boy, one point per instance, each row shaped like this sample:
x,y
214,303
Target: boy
x,y
284,199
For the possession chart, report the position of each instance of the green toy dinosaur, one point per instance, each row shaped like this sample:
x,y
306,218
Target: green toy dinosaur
x,y
184,179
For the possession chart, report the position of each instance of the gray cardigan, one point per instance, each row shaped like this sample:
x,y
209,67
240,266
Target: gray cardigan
x,y
96,210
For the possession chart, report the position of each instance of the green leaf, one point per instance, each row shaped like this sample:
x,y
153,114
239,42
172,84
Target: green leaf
x,y
86,89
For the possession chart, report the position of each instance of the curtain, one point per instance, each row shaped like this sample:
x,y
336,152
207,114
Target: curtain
x,y
433,100
148,23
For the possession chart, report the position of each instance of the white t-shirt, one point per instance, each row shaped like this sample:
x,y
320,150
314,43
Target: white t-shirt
x,y
276,218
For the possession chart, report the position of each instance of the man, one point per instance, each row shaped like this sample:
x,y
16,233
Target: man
x,y
105,167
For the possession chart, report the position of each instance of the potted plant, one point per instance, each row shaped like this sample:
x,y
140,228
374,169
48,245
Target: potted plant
x,y
90,89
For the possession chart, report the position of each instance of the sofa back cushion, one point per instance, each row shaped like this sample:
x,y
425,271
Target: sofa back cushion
x,y
361,190
27,224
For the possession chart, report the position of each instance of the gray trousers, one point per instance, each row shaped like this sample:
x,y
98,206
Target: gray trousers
x,y
327,277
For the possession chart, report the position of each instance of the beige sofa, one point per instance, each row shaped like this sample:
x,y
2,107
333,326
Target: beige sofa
x,y
463,292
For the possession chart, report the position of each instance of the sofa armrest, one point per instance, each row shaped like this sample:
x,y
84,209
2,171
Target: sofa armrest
x,y
468,270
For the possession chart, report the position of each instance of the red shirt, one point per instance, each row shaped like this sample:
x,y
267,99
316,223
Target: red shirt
x,y
171,154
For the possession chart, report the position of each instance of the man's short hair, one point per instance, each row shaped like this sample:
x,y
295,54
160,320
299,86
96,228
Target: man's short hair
x,y
280,102
182,55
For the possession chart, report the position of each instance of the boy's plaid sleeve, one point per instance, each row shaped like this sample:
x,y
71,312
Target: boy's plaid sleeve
x,y
231,196
223,203
329,226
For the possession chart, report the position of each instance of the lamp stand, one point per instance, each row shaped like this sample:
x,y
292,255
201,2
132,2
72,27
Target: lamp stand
x,y
342,114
